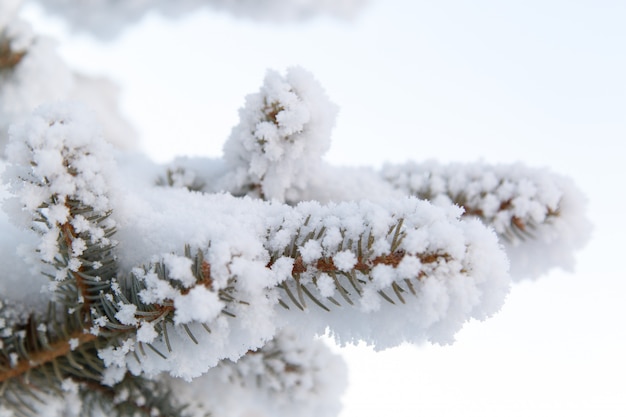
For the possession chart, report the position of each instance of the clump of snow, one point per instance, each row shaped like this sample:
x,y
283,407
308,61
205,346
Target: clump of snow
x,y
200,305
156,290
325,285
179,268
311,251
73,343
58,154
146,333
345,260
450,288
126,314
282,134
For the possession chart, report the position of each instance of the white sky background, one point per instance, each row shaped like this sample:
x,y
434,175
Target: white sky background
x,y
543,82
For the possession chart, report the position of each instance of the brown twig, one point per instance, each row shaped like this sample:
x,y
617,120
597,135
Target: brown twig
x,y
8,58
56,350
362,265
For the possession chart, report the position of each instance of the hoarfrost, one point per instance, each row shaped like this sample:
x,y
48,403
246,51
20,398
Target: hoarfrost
x,y
283,131
146,332
534,211
126,314
345,260
291,376
179,268
200,305
386,271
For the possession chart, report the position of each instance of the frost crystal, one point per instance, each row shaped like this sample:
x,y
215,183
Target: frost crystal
x,y
126,314
199,305
73,343
179,269
146,333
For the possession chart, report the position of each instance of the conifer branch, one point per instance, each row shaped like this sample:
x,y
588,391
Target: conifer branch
x,y
353,259
42,357
349,282
284,130
133,396
206,284
180,177
107,18
517,201
289,366
539,216
8,57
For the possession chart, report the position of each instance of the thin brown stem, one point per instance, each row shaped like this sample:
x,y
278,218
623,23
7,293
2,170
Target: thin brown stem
x,y
57,349
8,58
69,236
363,265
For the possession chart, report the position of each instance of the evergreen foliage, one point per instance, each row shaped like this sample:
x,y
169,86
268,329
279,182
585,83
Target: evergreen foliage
x,y
284,248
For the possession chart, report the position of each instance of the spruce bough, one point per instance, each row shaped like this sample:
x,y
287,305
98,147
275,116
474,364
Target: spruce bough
x,y
214,276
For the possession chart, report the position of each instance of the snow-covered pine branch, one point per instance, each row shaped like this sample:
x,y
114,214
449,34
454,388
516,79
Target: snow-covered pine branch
x,y
106,18
538,214
32,73
277,147
275,152
58,177
224,270
290,376
348,266
261,265
60,188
